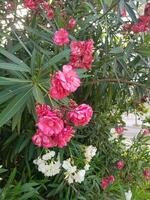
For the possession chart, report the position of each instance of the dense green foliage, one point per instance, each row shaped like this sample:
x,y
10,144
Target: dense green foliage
x,y
116,83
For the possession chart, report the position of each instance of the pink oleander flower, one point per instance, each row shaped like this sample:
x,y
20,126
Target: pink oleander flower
x,y
139,27
47,142
111,179
64,82
147,174
127,27
81,54
144,19
37,139
61,37
147,9
120,165
81,115
31,4
50,14
123,12
50,125
119,130
42,110
105,183
65,136
146,132
46,5
71,23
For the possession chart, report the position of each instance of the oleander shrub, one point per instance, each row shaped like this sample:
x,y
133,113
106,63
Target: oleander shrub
x,y
68,71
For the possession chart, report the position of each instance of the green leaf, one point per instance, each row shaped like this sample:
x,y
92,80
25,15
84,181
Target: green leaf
x,y
116,50
37,93
131,12
57,58
12,81
145,51
14,106
13,58
10,91
108,2
15,67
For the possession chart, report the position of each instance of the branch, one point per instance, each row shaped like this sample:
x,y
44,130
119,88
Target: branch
x,y
118,81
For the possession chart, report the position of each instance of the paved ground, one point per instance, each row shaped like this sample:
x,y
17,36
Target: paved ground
x,y
133,125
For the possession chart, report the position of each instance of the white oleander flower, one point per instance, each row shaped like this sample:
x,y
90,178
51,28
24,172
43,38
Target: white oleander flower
x,y
68,167
128,195
69,177
87,167
53,168
79,176
70,170
128,143
42,167
48,155
38,161
90,152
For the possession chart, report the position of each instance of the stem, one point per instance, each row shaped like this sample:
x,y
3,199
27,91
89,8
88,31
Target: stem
x,y
46,94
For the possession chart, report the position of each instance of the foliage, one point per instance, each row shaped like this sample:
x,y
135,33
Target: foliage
x,y
119,78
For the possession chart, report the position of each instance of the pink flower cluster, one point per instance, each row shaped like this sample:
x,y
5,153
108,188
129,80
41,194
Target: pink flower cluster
x,y
143,22
119,130
61,37
52,131
81,51
81,54
64,82
34,5
107,181
71,24
147,174
80,115
120,165
53,125
146,132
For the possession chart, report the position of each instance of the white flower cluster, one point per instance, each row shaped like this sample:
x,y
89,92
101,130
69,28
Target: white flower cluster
x,y
128,195
72,174
47,165
50,166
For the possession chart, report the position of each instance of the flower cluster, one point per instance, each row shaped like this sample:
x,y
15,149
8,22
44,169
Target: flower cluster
x,y
146,131
80,115
52,131
143,22
107,181
120,164
147,174
64,82
35,5
81,54
50,165
81,51
71,24
72,174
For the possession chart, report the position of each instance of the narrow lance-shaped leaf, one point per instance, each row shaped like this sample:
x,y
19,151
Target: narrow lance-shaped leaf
x,y
14,106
